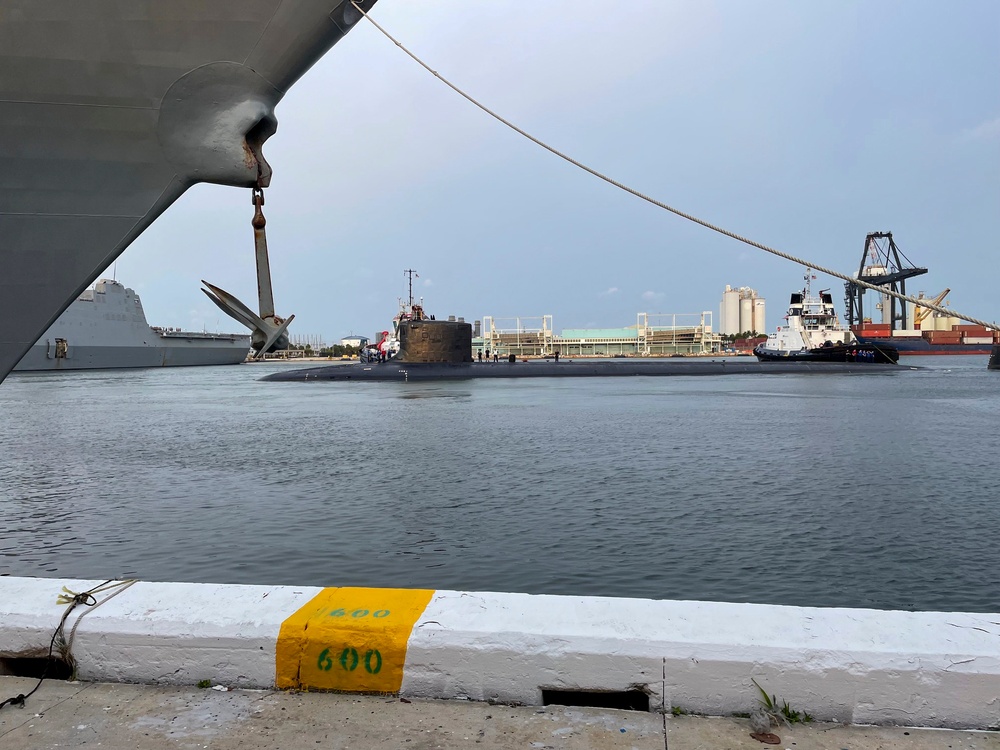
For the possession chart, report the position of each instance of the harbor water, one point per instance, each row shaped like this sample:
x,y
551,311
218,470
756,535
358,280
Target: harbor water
x,y
822,490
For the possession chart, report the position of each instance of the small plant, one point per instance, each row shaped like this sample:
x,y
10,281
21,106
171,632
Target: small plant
x,y
678,711
204,683
794,717
783,714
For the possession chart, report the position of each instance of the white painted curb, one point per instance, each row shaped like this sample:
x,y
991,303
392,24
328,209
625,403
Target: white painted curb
x,y
158,633
855,666
851,665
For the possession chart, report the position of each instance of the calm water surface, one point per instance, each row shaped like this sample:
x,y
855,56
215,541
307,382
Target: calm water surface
x,y
863,491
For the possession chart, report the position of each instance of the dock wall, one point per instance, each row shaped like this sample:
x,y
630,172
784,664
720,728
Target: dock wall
x,y
850,665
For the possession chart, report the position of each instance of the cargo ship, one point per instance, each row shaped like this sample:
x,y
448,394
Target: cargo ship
x,y
929,333
907,327
957,339
105,327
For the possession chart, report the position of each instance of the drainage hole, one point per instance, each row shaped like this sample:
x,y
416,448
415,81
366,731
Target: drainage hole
x,y
13,666
627,700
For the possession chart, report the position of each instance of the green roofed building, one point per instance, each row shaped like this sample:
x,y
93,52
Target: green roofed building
x,y
652,336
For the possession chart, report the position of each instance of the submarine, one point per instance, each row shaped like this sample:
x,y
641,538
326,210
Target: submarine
x,y
434,350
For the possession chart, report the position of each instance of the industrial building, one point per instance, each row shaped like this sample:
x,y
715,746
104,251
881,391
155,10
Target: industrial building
x,y
355,341
653,335
742,311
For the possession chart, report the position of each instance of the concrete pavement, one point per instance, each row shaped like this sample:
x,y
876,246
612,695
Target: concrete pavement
x,y
76,714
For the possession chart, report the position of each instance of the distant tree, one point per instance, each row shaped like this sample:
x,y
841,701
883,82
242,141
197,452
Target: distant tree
x,y
340,350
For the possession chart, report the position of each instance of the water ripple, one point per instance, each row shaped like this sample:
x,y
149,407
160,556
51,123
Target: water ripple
x,y
832,491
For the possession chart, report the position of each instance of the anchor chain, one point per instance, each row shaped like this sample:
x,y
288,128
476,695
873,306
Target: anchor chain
x,y
268,330
259,223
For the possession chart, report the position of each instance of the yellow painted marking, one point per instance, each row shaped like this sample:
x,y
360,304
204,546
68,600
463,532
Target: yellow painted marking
x,y
349,639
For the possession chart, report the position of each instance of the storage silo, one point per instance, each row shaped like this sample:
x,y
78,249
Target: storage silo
x,y
746,311
730,312
759,323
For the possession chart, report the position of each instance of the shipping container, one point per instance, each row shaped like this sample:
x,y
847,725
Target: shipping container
x,y
942,335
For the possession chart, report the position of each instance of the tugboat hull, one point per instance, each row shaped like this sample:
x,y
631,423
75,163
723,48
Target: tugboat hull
x,y
860,353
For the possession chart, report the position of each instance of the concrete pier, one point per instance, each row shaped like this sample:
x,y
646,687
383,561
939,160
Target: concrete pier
x,y
851,666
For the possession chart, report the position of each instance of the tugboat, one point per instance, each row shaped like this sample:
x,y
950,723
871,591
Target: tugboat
x,y
814,334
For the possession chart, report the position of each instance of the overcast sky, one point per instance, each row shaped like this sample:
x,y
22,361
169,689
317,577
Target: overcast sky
x,y
802,125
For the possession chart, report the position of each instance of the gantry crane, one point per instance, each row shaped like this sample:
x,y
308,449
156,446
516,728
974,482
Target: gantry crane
x,y
882,264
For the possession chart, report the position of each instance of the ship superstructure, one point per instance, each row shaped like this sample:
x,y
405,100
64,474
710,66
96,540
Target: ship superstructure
x,y
105,327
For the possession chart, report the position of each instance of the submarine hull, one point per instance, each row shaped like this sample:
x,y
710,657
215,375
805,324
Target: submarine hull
x,y
405,372
442,350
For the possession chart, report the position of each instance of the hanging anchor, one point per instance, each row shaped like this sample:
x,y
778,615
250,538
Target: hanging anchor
x,y
268,331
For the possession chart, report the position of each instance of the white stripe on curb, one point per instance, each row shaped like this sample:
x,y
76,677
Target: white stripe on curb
x,y
860,666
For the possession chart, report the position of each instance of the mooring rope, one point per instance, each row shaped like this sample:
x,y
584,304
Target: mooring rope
x,y
121,585
708,225
73,599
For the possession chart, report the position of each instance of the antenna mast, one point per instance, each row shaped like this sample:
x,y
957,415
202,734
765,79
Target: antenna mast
x,y
410,274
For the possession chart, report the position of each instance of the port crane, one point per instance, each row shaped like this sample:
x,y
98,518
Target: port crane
x,y
919,313
883,265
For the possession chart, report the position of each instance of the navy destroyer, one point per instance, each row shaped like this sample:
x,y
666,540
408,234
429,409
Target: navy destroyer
x,y
105,327
109,111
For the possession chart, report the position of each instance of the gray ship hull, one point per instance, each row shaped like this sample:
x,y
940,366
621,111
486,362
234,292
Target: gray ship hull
x,y
40,357
106,328
110,110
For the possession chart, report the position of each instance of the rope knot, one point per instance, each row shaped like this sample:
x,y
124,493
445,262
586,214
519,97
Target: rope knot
x,y
71,597
17,700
